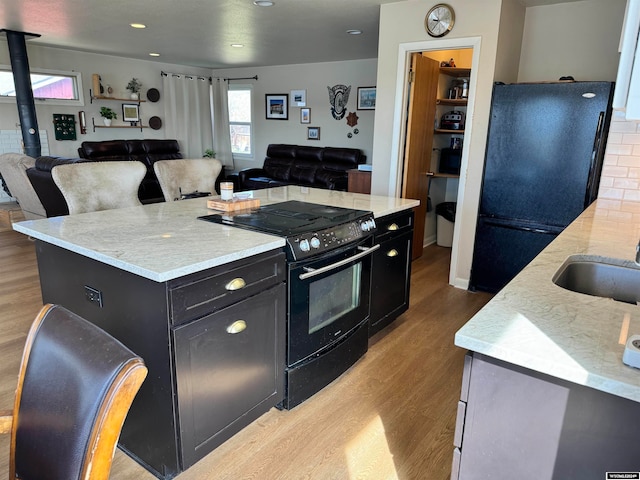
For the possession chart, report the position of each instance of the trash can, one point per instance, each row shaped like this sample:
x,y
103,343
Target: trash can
x,y
446,215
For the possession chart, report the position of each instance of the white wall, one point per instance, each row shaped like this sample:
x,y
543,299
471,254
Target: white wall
x,y
402,28
577,38
580,39
115,71
314,78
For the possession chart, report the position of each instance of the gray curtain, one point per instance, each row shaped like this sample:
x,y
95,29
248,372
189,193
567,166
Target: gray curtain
x,y
221,135
188,113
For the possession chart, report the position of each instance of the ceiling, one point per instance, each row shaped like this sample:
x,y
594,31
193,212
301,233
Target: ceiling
x,y
200,32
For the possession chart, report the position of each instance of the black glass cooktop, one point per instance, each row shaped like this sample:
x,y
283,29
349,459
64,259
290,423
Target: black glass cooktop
x,y
288,218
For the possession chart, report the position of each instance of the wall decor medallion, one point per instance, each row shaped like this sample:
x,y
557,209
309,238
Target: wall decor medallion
x,y
277,106
155,123
439,20
338,98
153,95
352,119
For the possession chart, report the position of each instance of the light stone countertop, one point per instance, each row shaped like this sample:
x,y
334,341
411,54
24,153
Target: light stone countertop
x,y
576,337
164,241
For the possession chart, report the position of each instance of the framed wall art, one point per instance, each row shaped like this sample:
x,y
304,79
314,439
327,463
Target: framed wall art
x,y
131,113
366,98
305,115
277,106
298,98
313,133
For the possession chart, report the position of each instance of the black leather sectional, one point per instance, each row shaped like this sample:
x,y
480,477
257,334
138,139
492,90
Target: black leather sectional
x,y
321,167
145,151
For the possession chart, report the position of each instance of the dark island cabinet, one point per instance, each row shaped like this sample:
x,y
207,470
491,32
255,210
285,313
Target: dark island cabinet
x,y
391,273
213,342
241,343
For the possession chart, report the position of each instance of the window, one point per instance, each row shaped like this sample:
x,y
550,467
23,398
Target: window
x,y
240,120
53,87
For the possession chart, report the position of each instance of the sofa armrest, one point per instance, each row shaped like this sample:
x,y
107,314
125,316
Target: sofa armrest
x,y
48,192
247,173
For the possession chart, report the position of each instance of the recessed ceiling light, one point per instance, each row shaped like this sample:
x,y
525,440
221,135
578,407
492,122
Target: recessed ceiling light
x,y
354,32
237,45
154,54
138,25
263,3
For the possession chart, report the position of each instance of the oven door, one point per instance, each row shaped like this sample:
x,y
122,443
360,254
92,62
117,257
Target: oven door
x,y
328,297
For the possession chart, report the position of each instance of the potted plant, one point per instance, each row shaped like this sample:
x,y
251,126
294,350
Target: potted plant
x,y
134,87
209,153
107,115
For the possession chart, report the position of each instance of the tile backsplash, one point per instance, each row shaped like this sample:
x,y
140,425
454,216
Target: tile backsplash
x,y
620,178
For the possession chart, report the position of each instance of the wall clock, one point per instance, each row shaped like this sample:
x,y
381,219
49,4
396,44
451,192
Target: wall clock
x,y
439,20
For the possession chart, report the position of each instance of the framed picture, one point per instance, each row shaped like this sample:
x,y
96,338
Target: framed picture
x,y
366,98
305,115
313,133
130,113
298,98
277,106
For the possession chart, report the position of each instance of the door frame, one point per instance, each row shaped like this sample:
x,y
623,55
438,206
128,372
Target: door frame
x,y
400,121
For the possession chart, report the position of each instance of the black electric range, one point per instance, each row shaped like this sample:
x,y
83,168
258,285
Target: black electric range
x,y
329,261
310,229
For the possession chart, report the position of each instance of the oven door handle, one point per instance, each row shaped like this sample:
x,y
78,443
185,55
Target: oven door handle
x,y
312,272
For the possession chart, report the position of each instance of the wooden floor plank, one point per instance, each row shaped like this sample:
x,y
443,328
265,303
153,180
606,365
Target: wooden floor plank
x,y
391,416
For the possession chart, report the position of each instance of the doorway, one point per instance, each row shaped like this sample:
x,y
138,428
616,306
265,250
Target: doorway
x,y
442,186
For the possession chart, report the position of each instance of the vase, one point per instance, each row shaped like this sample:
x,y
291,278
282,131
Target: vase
x,y
107,122
134,96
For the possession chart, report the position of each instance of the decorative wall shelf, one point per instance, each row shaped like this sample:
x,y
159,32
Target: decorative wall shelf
x,y
116,126
116,99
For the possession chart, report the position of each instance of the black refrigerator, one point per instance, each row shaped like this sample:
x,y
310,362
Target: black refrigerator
x,y
543,161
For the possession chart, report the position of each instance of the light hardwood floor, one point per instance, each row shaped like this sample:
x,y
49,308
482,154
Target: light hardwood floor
x,y
391,416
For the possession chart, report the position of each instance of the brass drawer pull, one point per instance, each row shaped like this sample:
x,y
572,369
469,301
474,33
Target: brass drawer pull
x,y
237,327
392,253
236,284
393,226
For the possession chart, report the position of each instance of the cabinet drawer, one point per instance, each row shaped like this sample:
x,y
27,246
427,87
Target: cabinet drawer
x,y
224,286
393,224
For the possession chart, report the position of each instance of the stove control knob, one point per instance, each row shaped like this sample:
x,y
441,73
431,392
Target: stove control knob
x,y
372,223
364,226
304,245
315,242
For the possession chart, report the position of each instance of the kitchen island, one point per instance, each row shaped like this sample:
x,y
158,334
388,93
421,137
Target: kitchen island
x,y
156,277
545,393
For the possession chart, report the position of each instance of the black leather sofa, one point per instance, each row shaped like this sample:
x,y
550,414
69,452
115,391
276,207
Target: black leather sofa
x,y
145,151
320,167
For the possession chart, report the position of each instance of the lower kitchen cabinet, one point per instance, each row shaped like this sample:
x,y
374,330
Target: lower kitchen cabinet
x,y
391,272
227,366
516,423
213,342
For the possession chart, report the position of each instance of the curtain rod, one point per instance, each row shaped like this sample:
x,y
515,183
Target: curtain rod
x,y
187,75
255,77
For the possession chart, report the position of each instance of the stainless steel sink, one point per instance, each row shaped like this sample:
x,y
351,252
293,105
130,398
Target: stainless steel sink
x,y
600,277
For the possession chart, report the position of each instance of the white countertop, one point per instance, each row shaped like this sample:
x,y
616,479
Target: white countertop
x,y
164,241
580,338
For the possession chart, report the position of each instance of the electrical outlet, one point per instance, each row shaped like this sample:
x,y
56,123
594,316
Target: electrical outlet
x,y
92,295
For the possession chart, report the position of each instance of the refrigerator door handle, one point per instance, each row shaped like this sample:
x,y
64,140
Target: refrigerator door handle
x,y
597,157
